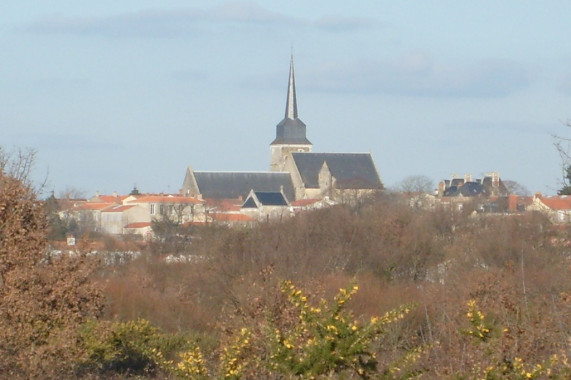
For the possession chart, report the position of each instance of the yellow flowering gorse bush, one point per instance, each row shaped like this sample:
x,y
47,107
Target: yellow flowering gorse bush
x,y
327,338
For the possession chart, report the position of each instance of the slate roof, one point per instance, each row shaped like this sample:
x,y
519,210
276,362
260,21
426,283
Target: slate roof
x,y
484,187
291,130
351,170
488,184
266,198
468,189
218,185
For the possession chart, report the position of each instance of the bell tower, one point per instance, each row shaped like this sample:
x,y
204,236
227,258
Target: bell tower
x,y
290,132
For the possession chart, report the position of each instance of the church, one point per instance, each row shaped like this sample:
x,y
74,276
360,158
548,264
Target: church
x,y
295,171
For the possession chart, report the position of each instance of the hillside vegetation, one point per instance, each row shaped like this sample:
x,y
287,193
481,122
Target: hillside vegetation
x,y
376,290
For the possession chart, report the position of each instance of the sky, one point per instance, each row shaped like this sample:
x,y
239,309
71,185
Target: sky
x,y
117,94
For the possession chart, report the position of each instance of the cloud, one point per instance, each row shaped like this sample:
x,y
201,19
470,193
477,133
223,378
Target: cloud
x,y
247,13
140,24
416,74
163,23
188,21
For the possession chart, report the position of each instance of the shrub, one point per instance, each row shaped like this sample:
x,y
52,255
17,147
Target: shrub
x,y
43,299
302,341
125,347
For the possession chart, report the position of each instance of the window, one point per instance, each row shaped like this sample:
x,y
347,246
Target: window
x,y
152,209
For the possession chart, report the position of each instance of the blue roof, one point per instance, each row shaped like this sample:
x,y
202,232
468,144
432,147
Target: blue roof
x,y
265,198
271,198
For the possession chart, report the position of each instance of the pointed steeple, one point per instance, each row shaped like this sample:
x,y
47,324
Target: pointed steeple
x,y
291,103
291,130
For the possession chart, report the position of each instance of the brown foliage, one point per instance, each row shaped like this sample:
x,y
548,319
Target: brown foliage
x,y
42,299
517,268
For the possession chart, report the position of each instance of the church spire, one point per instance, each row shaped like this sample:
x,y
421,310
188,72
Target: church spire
x,y
290,132
291,103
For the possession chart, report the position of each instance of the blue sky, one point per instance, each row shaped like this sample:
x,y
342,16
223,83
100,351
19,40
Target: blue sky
x,y
117,93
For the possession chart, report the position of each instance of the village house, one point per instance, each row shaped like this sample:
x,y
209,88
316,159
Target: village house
x,y
175,208
556,208
133,214
115,217
487,194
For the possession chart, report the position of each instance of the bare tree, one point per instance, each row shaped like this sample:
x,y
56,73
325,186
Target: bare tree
x,y
563,146
72,193
516,188
416,184
18,164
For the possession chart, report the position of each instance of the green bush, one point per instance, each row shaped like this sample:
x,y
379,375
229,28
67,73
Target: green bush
x,y
125,347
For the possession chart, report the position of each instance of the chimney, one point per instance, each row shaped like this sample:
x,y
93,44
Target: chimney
x,y
441,188
467,178
512,202
495,179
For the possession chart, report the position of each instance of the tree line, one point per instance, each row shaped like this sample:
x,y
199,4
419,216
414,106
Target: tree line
x,y
372,290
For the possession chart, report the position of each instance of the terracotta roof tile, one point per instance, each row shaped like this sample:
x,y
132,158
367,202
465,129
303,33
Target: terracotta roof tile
x,y
557,203
138,225
165,199
112,198
94,206
223,217
118,208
